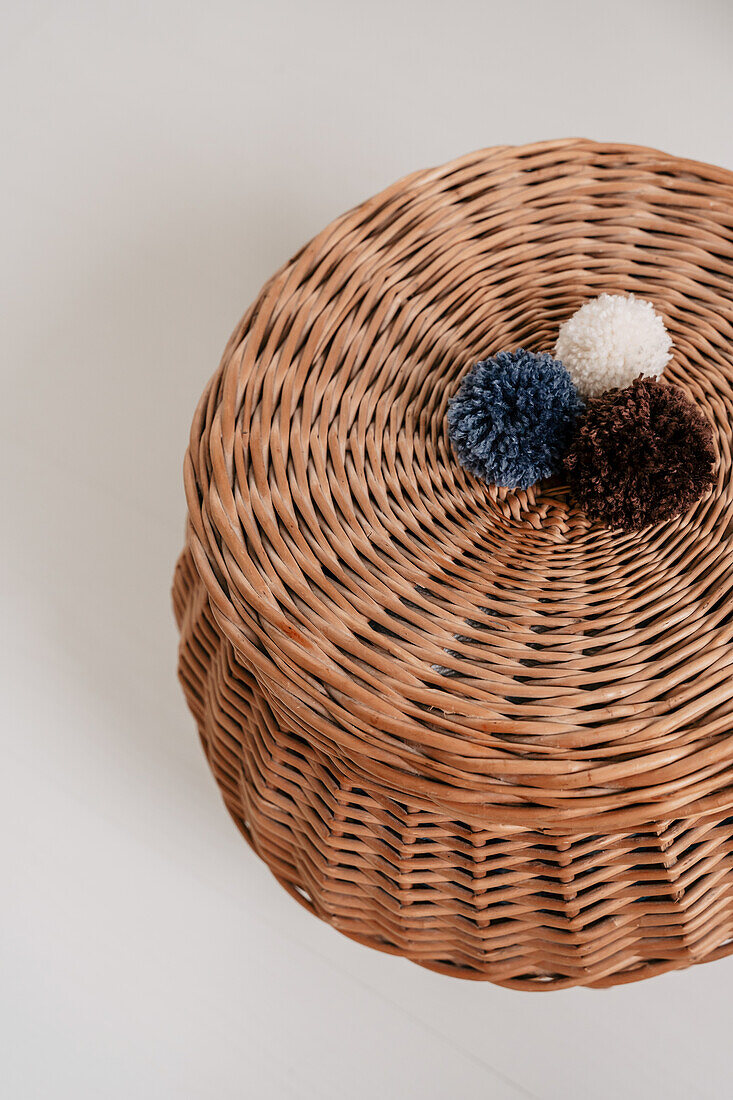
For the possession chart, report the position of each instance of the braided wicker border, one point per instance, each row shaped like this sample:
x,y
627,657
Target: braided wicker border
x,y
464,724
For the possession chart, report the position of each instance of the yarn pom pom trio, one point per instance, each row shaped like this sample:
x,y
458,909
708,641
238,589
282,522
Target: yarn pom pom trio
x,y
634,450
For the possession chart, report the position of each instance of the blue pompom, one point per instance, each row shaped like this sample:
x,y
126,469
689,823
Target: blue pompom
x,y
513,418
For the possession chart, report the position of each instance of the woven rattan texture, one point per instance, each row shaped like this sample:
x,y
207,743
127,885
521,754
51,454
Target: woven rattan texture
x,y
464,724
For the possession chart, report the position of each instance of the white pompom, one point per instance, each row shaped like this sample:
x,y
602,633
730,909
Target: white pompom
x,y
610,341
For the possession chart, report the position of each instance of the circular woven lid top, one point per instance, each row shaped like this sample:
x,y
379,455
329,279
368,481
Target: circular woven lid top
x,y
490,652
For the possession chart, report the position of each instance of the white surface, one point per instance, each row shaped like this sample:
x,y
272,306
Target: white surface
x,y
159,160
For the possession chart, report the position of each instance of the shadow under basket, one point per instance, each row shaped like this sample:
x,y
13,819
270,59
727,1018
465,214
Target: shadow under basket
x,y
462,724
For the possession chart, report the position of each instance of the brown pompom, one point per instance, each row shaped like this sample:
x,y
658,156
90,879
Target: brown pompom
x,y
641,455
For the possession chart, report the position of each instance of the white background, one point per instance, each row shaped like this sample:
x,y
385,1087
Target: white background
x,y
157,162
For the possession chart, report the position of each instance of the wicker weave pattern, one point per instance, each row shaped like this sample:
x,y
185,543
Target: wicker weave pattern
x,y
460,723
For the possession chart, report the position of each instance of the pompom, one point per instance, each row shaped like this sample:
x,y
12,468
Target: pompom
x,y
612,340
641,455
513,418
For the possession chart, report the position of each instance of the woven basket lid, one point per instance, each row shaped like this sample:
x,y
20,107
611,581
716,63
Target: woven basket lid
x,y
491,651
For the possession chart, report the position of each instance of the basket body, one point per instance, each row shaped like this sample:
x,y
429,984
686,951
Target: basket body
x,y
459,723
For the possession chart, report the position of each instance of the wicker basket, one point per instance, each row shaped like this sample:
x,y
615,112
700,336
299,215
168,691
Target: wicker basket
x,y
463,724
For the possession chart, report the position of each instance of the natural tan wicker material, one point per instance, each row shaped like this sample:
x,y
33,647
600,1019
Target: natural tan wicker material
x,y
462,724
